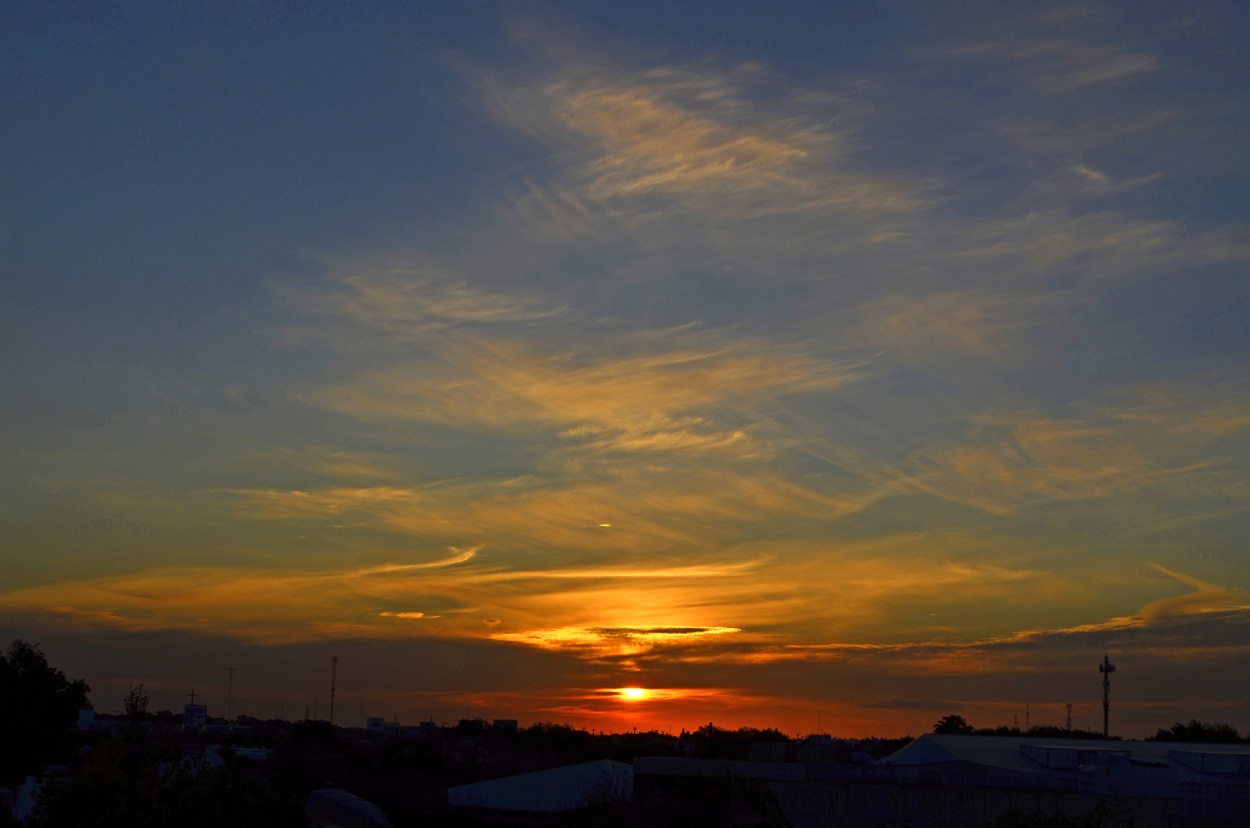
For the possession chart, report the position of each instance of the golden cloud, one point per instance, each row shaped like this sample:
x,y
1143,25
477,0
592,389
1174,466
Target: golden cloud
x,y
657,402
694,135
1015,459
612,641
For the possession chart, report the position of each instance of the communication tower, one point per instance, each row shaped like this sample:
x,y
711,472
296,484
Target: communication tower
x,y
1106,668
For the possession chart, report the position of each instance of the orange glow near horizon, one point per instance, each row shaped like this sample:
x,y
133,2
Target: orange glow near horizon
x,y
673,709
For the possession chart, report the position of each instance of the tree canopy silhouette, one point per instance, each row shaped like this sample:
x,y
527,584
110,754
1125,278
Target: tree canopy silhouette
x,y
952,724
136,704
38,710
1196,731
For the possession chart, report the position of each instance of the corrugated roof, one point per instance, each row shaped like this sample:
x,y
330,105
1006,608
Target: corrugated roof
x,y
1062,757
549,791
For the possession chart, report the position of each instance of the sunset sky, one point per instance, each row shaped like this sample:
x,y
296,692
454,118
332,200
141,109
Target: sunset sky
x,y
828,365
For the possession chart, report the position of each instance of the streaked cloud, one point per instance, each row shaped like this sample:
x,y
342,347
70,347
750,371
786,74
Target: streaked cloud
x,y
981,323
1012,459
614,641
1060,66
1099,183
697,136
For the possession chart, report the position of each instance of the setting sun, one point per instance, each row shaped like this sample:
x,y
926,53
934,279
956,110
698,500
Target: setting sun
x,y
634,694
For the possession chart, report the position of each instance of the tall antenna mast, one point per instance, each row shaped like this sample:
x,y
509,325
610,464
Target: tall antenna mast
x,y
334,677
1069,715
1106,668
230,694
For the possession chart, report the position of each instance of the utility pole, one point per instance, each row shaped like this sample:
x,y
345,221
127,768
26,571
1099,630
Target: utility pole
x,y
230,694
1106,668
1069,715
334,677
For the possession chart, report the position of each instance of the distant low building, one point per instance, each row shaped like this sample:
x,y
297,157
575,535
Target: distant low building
x,y
86,716
194,716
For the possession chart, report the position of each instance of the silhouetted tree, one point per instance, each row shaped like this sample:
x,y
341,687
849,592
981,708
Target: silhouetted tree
x,y
136,704
1197,731
952,724
117,786
38,709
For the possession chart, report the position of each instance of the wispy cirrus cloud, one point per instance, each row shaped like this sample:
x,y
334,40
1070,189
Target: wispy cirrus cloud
x,y
719,140
979,322
404,298
682,389
1205,623
1060,66
1206,598
1011,460
1214,405
1100,183
459,592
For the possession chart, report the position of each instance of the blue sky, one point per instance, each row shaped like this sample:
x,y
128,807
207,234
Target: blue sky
x,y
865,360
